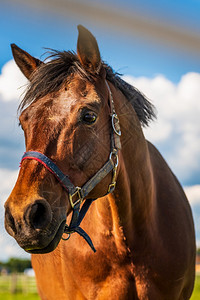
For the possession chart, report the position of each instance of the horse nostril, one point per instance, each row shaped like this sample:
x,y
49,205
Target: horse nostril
x,y
10,222
38,214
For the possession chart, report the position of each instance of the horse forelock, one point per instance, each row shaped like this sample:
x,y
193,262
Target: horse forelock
x,y
50,76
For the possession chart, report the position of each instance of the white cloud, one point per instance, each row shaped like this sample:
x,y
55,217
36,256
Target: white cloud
x,y
177,130
8,245
193,194
12,82
11,146
7,179
11,136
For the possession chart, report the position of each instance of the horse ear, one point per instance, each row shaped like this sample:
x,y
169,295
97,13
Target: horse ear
x,y
88,50
27,63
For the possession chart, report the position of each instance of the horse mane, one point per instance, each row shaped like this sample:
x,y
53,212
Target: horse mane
x,y
144,109
51,75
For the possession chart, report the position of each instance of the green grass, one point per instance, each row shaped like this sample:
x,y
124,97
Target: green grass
x,y
196,292
18,296
31,292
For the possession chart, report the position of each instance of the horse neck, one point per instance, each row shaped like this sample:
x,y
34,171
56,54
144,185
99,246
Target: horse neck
x,y
132,203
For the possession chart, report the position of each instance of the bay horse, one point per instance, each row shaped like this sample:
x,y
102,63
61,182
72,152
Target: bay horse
x,y
87,161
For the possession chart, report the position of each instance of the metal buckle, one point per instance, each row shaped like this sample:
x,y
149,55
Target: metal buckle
x,y
114,153
78,193
111,187
115,124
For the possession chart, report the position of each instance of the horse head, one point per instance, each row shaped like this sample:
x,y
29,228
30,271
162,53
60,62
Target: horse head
x,y
65,115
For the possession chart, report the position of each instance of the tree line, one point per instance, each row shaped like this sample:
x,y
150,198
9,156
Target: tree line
x,y
13,265
18,265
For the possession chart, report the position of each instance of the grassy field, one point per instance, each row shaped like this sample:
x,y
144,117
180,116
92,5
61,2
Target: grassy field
x,y
196,293
18,296
18,287
25,288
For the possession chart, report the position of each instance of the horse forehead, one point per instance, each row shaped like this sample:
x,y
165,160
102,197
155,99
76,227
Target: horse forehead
x,y
69,99
77,95
82,88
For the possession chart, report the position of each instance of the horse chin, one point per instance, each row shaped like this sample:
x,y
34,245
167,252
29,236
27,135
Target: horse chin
x,y
52,245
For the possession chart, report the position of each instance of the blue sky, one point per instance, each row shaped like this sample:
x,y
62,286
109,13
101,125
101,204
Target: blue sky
x,y
169,77
137,57
185,12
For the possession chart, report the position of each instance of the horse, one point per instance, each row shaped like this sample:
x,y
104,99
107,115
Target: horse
x,y
131,232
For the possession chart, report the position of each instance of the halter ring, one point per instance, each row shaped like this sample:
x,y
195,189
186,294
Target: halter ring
x,y
114,153
115,124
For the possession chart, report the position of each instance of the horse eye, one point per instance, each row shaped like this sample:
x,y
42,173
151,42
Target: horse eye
x,y
89,117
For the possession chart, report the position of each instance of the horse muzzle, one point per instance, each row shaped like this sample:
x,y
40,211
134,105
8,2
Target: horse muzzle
x,y
38,229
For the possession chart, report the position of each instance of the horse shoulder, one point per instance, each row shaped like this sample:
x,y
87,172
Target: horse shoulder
x,y
172,204
174,239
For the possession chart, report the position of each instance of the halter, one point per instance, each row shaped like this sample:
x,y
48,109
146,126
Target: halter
x,y
78,194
